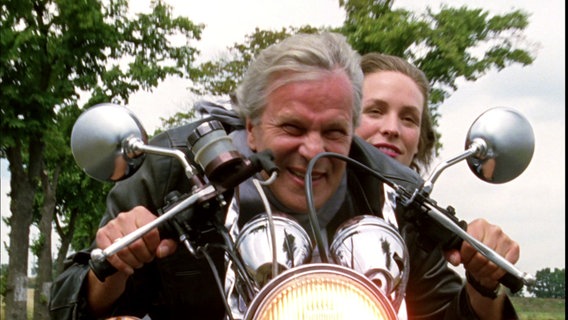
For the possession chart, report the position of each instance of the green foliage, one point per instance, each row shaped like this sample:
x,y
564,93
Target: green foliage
x,y
3,278
549,284
373,26
37,244
146,45
80,208
178,119
50,50
447,45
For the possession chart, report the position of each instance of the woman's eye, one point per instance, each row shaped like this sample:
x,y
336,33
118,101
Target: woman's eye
x,y
336,134
411,120
374,111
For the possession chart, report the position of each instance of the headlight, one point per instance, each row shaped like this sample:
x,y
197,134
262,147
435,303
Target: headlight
x,y
320,291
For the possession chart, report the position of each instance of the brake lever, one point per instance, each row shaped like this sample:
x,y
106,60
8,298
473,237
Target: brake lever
x,y
514,279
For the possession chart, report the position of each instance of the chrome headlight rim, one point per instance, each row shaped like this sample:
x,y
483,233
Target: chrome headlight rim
x,y
291,279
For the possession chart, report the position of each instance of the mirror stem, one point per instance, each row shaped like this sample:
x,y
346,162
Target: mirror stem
x,y
477,148
134,147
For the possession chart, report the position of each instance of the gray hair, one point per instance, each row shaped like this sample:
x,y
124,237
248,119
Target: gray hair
x,y
300,57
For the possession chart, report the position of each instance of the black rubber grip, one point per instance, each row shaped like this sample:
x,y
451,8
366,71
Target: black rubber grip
x,y
513,283
102,269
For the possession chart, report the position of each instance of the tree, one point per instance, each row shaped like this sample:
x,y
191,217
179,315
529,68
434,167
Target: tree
x,y
451,44
50,52
549,284
58,164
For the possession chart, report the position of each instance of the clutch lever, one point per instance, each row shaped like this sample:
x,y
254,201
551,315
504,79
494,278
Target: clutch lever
x,y
102,268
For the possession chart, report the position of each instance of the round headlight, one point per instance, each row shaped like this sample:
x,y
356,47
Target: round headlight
x,y
320,291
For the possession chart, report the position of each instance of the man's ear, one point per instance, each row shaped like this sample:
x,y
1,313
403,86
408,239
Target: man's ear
x,y
251,141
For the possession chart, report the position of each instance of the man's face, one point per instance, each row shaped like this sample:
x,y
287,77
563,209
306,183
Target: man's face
x,y
301,120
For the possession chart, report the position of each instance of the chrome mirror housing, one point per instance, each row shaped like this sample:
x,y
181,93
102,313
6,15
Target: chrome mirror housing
x,y
98,142
509,145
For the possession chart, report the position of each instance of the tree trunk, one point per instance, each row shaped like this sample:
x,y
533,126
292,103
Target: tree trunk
x,y
65,238
23,184
45,264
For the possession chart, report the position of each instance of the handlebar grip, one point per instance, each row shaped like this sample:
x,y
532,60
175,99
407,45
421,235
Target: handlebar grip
x,y
508,280
513,283
102,269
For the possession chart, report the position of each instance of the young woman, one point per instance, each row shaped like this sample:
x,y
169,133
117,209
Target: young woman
x,y
395,116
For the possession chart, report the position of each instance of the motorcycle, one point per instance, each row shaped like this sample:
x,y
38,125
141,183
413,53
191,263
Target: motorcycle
x,y
271,273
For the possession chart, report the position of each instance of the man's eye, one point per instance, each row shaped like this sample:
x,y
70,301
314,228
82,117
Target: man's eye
x,y
336,134
292,130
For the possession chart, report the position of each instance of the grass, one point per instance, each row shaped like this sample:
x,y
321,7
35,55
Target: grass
x,y
539,309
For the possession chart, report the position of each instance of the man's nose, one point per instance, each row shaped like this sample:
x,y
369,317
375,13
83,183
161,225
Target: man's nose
x,y
312,145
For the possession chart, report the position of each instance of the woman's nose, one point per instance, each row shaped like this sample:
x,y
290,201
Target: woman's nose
x,y
390,126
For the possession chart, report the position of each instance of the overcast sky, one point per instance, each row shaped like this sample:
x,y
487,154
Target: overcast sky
x,y
531,208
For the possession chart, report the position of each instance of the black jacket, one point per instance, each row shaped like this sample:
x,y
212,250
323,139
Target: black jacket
x,y
181,285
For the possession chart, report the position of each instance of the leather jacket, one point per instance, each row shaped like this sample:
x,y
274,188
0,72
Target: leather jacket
x,y
181,285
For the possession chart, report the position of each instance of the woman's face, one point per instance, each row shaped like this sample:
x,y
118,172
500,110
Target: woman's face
x,y
392,113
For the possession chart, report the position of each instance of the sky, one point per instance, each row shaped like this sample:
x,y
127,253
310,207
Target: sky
x,y
530,209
